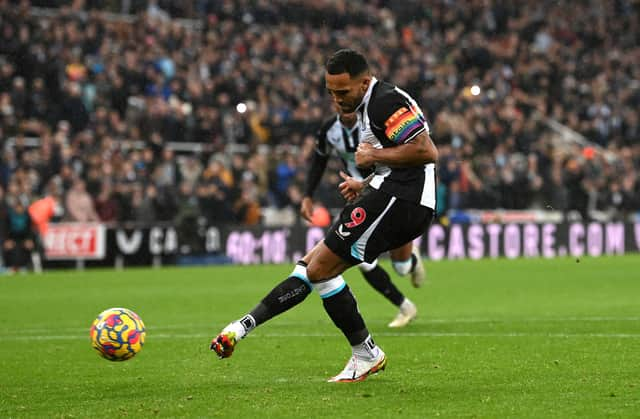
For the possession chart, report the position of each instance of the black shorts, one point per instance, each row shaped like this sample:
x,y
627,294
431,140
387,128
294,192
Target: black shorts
x,y
375,223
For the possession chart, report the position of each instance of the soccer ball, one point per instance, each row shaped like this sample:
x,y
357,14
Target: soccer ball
x,y
117,334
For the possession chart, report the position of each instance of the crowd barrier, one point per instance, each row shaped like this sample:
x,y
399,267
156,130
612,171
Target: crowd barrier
x,y
66,244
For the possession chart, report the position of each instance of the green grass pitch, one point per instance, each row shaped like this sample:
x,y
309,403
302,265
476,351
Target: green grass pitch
x,y
494,338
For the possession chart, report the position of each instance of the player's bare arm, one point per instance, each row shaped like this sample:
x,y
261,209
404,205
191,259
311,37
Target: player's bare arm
x,y
420,150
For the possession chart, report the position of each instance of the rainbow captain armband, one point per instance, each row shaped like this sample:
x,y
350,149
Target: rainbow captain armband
x,y
404,124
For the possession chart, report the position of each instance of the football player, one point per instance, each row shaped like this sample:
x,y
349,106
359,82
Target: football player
x,y
388,209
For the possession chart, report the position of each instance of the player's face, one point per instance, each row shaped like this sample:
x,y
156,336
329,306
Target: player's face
x,y
348,119
347,92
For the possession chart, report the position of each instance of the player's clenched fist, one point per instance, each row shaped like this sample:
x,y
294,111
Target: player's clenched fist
x,y
364,155
350,188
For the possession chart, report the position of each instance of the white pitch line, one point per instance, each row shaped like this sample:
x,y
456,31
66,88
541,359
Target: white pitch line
x,y
162,336
471,320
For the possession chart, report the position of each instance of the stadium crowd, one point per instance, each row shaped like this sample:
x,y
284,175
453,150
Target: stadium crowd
x,y
110,99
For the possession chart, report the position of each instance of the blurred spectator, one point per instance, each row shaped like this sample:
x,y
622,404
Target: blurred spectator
x,y
19,237
79,204
50,206
73,109
164,202
143,204
187,216
106,96
213,193
106,205
246,208
284,173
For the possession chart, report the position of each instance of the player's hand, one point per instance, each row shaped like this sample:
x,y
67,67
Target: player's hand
x,y
350,188
306,208
364,155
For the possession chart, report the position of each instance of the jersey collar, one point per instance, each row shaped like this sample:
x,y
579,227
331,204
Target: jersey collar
x,y
367,95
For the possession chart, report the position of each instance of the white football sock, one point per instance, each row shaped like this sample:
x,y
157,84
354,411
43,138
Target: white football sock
x,y
402,268
331,287
241,327
366,350
406,304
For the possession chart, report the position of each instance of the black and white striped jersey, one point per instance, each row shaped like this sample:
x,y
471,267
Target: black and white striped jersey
x,y
389,117
335,136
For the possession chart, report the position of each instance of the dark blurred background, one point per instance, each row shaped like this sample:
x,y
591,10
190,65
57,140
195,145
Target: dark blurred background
x,y
143,111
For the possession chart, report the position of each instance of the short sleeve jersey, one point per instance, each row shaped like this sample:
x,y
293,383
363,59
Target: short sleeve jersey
x,y
389,117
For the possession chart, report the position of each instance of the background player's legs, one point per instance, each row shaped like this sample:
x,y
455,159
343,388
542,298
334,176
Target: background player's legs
x,y
406,259
379,279
402,253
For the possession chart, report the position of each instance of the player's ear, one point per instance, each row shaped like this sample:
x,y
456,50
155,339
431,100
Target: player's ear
x,y
364,85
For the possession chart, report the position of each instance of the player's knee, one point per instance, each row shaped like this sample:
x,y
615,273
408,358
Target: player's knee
x,y
316,272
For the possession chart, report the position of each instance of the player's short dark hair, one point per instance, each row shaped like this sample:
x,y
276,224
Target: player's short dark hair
x,y
347,61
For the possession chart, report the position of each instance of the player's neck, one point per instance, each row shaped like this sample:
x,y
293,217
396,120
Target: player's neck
x,y
348,125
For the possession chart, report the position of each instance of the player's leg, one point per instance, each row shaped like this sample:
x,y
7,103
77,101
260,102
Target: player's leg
x,y
366,228
325,272
380,280
284,296
321,270
345,245
406,259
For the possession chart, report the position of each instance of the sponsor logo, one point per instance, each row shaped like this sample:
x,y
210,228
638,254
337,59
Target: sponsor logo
x,y
75,241
341,233
291,294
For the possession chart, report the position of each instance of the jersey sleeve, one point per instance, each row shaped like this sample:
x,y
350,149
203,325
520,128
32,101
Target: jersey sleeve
x,y
319,159
398,117
323,147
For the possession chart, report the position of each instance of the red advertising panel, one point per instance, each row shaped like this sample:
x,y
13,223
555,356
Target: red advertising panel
x,y
75,241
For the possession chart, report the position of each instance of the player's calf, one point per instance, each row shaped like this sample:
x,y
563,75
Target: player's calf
x,y
284,296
